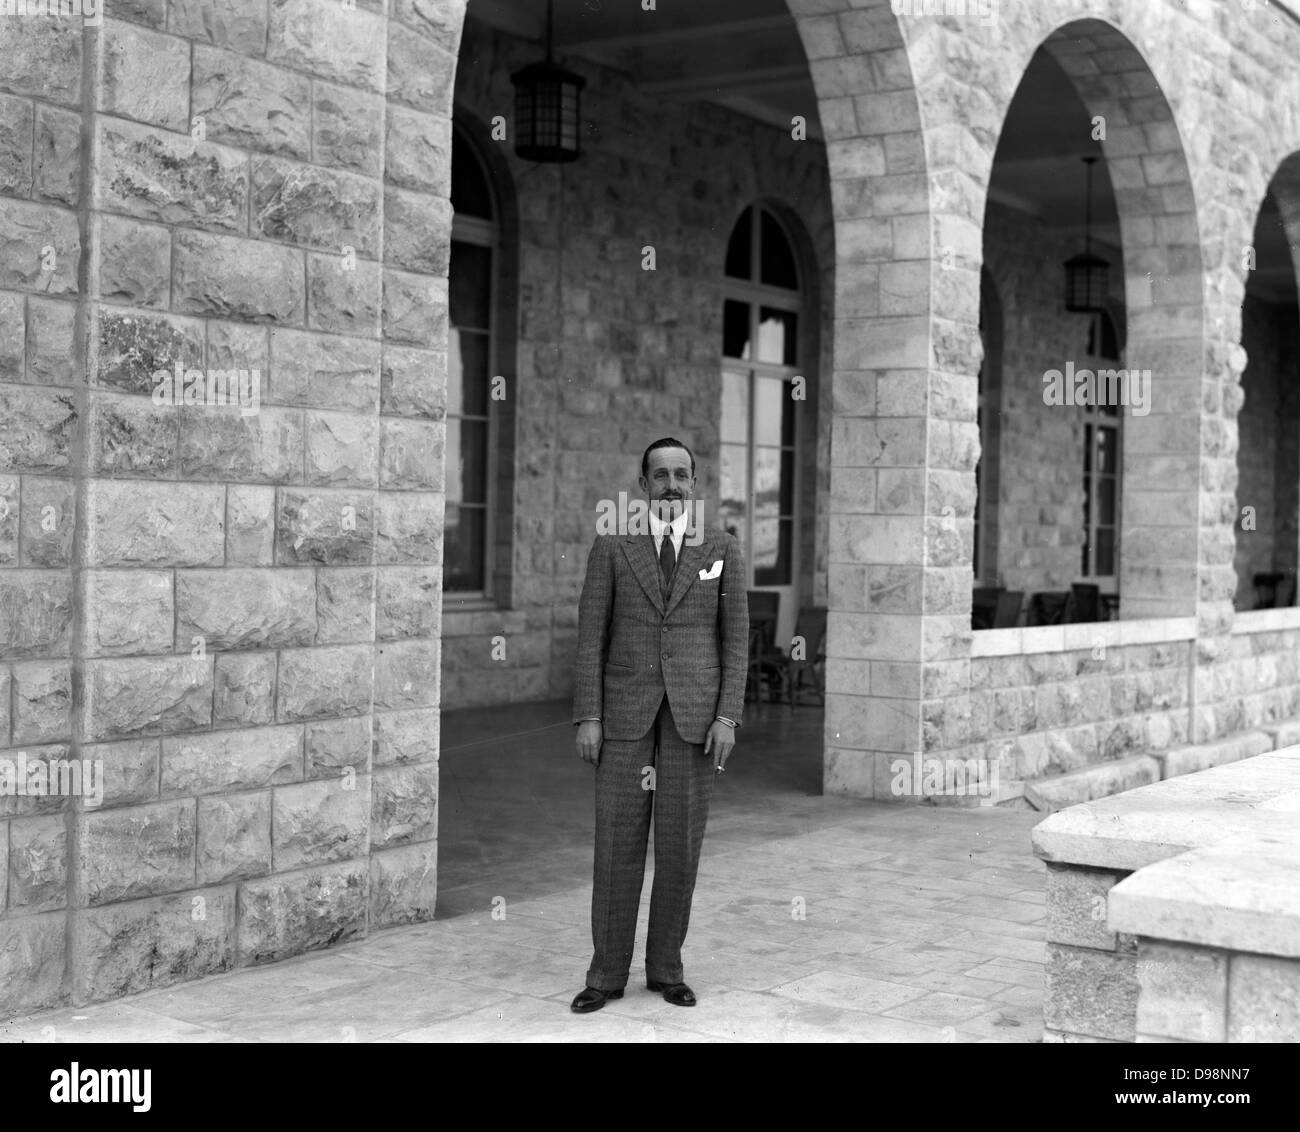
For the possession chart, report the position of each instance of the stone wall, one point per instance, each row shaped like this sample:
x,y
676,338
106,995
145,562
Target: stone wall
x,y
252,652
608,356
1040,715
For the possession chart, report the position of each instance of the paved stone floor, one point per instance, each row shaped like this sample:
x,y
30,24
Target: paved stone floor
x,y
814,918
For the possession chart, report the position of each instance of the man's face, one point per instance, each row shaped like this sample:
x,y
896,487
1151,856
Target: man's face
x,y
670,480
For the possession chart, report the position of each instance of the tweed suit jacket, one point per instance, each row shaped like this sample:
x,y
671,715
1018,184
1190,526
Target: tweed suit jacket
x,y
633,647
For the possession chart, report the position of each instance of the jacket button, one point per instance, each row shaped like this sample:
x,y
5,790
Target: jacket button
x,y
663,656
665,628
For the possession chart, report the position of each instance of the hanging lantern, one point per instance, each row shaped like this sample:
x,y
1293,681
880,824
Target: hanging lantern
x,y
1087,277
547,108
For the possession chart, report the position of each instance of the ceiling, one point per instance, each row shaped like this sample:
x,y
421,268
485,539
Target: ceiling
x,y
742,54
746,55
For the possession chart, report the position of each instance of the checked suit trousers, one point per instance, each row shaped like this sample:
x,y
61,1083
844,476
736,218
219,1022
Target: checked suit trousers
x,y
679,803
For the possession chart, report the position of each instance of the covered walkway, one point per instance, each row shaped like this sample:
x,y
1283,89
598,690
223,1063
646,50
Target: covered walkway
x,y
816,918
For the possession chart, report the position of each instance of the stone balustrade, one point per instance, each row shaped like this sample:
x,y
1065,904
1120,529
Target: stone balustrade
x,y
1173,910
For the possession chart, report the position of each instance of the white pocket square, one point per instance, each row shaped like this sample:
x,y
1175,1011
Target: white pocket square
x,y
712,572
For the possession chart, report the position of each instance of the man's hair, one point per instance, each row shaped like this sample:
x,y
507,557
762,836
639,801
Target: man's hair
x,y
664,442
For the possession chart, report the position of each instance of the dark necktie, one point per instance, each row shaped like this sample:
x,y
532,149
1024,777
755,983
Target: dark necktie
x,y
667,561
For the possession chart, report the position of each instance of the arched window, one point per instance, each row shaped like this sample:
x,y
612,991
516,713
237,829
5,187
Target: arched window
x,y
761,328
471,362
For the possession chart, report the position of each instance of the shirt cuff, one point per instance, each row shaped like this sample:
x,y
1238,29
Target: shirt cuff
x,y
724,719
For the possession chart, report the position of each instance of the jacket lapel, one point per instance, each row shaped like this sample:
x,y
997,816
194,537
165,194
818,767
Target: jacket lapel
x,y
640,552
688,567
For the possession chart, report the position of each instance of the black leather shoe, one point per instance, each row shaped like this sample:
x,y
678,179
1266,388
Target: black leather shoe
x,y
592,998
679,994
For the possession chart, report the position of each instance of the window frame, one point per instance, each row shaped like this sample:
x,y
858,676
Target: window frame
x,y
757,295
477,231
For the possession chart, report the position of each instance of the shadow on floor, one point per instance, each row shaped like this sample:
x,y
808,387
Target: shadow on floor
x,y
516,803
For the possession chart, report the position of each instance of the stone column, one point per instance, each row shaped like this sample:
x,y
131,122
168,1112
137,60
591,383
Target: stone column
x,y
42,399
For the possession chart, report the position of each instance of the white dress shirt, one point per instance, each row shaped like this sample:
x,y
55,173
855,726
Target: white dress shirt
x,y
677,527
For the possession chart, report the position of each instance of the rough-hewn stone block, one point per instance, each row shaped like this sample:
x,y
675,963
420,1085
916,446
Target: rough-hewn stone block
x,y
43,58
245,689
1182,992
415,308
287,915
322,821
42,701
229,443
1263,999
239,25
403,884
32,952
406,736
38,863
404,804
344,45
250,104
231,760
347,128
1076,906
170,178
324,371
324,682
342,449
37,427
42,248
56,164
250,525
417,151
135,946
316,208
410,602
234,837
136,851
35,613
155,524
134,261
333,744
345,604
343,294
417,231
1091,992
407,674
128,612
136,345
130,436
237,279
240,609
413,383
328,527
16,118
146,76
51,342
130,770
129,696
409,528
411,454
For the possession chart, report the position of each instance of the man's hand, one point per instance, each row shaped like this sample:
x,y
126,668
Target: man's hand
x,y
589,739
719,742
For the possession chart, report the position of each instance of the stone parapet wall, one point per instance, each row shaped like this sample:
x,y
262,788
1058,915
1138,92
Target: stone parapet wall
x,y
1172,909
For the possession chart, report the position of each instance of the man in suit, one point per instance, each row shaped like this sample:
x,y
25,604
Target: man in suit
x,y
663,642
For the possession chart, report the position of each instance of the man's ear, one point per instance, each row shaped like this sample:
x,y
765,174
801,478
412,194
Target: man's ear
x,y
645,485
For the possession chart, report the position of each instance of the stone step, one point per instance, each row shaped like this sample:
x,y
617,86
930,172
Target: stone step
x,y
1090,782
1202,756
1104,779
